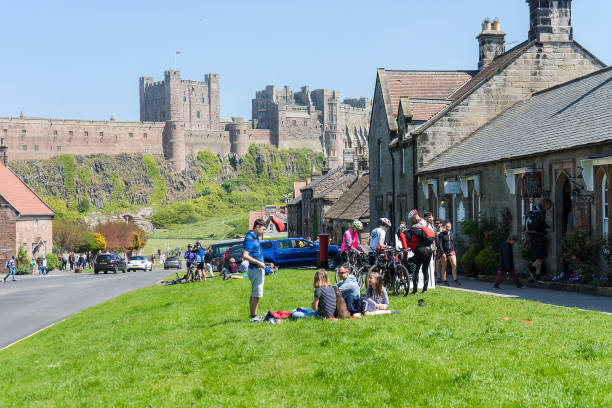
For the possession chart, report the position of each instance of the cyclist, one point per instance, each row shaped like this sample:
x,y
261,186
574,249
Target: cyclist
x,y
377,238
350,240
200,260
419,238
190,259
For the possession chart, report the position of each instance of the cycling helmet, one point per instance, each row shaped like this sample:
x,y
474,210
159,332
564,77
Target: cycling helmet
x,y
385,221
189,246
357,224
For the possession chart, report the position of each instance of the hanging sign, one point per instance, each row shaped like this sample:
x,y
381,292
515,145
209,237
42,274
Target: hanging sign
x,y
532,184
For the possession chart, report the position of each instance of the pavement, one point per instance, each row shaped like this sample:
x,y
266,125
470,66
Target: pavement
x,y
32,303
548,296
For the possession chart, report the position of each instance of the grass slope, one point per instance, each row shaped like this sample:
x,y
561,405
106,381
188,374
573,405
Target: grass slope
x,y
190,345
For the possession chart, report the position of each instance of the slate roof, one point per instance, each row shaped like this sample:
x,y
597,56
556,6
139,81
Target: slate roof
x,y
335,189
569,115
423,85
19,195
324,181
354,204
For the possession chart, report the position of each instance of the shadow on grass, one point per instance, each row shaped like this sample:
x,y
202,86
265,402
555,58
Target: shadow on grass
x,y
226,322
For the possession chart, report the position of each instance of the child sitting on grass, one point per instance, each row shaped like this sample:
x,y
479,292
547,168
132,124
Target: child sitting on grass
x,y
377,301
324,295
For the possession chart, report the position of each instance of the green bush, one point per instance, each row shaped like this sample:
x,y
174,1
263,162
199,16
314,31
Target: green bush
x,y
177,213
69,166
52,261
84,205
487,261
241,226
210,162
468,263
23,263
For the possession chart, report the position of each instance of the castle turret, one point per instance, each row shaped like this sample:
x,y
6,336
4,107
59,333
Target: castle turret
x,y
491,43
173,140
239,139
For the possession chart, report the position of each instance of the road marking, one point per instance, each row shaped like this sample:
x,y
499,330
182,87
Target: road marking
x,y
30,335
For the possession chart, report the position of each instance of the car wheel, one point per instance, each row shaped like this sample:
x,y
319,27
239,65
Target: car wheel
x,y
105,272
332,262
115,270
96,271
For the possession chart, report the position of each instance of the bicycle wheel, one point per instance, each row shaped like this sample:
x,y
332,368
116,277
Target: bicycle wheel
x,y
401,279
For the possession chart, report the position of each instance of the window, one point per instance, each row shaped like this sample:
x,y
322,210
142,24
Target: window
x,y
116,137
604,205
305,123
86,137
333,136
202,99
4,132
198,114
36,148
101,137
23,132
70,134
144,135
24,147
403,160
58,148
184,99
293,122
55,135
130,135
35,223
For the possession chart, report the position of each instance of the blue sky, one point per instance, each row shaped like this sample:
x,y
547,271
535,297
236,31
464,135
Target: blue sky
x,y
82,59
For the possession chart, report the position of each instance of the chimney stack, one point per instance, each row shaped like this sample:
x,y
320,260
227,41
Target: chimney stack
x,y
491,43
550,21
4,154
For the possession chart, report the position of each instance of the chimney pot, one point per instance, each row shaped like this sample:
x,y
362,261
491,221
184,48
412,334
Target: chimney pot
x,y
486,25
496,25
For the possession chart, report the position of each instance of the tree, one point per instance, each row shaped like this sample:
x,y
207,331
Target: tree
x,y
119,235
100,241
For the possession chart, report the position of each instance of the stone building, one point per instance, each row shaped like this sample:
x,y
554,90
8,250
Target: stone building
x,y
25,220
557,144
179,117
318,120
416,116
353,204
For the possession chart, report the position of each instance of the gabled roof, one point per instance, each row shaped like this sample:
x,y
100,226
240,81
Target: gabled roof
x,y
324,181
335,189
19,195
422,85
354,204
576,113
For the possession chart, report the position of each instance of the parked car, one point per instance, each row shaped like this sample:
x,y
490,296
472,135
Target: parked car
x,y
297,251
233,252
173,262
139,262
110,262
219,249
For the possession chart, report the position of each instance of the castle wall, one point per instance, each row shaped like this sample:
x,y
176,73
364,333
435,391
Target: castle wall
x,y
37,138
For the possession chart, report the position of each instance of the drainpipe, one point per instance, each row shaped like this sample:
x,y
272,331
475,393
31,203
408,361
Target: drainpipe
x,y
415,180
392,188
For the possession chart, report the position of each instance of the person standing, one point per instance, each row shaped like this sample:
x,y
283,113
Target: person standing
x,y
10,266
254,255
537,228
377,238
32,266
64,261
436,255
432,265
446,245
71,260
418,238
506,263
208,258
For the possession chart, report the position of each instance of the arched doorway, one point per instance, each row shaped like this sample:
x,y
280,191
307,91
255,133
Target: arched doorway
x,y
562,217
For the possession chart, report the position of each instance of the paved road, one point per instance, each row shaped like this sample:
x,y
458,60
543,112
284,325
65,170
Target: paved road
x,y
33,303
551,297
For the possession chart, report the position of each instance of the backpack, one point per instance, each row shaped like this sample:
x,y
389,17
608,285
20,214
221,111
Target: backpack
x,y
535,221
6,264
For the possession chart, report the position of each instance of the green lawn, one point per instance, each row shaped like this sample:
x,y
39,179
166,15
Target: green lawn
x,y
191,345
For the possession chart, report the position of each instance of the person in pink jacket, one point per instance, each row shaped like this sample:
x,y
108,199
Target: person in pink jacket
x,y
350,240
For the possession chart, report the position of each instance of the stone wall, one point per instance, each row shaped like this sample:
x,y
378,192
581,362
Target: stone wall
x,y
8,228
29,230
36,138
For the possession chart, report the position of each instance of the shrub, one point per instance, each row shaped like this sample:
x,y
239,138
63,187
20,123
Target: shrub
x,y
100,241
487,261
84,205
468,264
578,252
23,263
119,235
52,261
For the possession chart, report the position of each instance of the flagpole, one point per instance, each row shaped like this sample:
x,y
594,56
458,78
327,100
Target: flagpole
x,y
175,60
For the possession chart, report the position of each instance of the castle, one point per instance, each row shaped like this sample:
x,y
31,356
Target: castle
x,y
180,117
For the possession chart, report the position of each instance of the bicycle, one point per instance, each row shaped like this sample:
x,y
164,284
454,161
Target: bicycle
x,y
390,265
190,275
179,279
358,265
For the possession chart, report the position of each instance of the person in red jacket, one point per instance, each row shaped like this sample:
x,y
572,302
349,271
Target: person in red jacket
x,y
418,238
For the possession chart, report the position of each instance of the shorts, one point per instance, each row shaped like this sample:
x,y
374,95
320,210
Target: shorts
x,y
538,249
451,253
257,276
200,265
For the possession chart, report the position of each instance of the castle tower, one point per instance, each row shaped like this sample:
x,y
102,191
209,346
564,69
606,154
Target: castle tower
x,y
239,140
214,101
173,140
550,21
491,43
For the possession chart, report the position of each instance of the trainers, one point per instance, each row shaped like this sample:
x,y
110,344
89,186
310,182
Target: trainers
x,y
456,282
445,283
496,287
257,319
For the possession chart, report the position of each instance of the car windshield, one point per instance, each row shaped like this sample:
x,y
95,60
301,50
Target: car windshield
x,y
104,258
172,258
137,258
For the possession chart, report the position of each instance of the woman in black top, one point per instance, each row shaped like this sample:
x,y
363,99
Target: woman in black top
x,y
446,246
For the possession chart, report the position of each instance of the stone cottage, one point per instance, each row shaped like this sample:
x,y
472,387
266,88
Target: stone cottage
x,y
417,115
557,144
25,220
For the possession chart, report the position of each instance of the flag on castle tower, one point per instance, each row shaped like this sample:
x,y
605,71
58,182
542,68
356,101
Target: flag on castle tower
x,y
178,52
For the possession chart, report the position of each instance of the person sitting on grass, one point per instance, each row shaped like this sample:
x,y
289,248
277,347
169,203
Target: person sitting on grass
x,y
349,288
324,295
377,299
232,269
